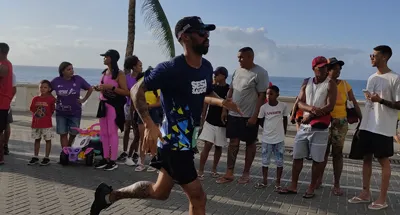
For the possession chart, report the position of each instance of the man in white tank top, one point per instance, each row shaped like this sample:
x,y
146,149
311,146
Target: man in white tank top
x,y
317,98
378,125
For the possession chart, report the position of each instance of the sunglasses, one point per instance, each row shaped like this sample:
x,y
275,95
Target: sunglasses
x,y
201,33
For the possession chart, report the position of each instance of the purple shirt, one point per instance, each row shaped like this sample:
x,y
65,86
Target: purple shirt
x,y
130,81
68,93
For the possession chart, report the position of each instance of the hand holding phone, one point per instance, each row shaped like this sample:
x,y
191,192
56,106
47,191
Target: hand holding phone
x,y
367,94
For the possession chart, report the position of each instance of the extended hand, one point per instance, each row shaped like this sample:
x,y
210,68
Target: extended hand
x,y
231,106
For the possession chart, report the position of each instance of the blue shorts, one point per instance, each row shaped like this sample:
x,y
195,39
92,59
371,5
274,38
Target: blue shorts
x,y
65,123
277,149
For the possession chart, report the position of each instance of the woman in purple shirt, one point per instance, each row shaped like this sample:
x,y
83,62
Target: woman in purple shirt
x,y
132,67
69,104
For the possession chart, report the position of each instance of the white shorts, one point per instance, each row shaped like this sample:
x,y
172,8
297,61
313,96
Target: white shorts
x,y
214,134
46,133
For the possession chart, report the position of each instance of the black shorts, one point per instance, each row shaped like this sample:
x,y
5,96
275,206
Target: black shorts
x,y
236,128
372,143
3,120
178,164
10,117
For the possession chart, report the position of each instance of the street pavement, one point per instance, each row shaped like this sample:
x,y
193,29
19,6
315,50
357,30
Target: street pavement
x,y
58,190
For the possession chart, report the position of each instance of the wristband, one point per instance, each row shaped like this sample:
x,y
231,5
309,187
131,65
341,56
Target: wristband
x,y
381,101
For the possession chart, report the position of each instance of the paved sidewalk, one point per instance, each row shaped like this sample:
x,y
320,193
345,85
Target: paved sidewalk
x,y
56,190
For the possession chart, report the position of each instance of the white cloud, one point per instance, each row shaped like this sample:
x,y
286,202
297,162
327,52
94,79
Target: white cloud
x,y
279,59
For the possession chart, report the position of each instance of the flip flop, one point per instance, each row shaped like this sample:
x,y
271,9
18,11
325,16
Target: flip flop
x,y
337,192
215,175
376,206
278,189
260,185
308,195
224,180
285,191
244,180
201,177
357,200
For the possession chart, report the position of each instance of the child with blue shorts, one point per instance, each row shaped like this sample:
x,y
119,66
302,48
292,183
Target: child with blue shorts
x,y
273,117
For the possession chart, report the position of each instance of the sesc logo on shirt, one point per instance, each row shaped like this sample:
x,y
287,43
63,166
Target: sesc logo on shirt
x,y
199,87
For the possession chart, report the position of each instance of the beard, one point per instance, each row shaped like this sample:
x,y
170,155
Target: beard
x,y
200,49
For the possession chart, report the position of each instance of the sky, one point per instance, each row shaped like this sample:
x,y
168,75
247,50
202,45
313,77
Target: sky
x,y
285,35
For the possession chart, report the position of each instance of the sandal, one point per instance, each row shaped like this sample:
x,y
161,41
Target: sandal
x,y
201,177
215,175
244,180
376,206
224,180
357,200
140,168
277,189
260,185
337,191
286,191
308,195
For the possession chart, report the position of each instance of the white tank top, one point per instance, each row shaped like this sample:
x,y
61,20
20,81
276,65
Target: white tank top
x,y
316,94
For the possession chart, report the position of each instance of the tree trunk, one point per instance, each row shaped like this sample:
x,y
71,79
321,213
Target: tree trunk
x,y
131,28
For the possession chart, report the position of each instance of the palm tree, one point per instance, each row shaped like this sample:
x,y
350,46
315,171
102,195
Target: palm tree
x,y
156,20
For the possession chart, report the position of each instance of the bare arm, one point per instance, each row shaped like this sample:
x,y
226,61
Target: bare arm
x,y
356,106
331,100
260,102
139,102
204,114
3,70
295,107
214,101
285,123
230,93
88,93
393,105
123,88
302,100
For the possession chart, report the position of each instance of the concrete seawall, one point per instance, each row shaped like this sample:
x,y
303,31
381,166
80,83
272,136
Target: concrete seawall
x,y
25,93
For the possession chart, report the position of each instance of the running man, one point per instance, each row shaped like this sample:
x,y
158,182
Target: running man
x,y
182,102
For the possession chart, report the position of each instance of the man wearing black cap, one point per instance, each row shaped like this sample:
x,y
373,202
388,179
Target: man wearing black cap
x,y
182,101
213,130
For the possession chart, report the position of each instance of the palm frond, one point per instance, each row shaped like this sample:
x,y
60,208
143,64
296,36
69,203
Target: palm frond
x,y
156,20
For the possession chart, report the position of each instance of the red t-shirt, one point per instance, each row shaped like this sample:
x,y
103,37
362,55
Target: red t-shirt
x,y
6,87
42,108
270,84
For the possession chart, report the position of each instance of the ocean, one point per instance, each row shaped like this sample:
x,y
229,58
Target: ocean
x,y
289,86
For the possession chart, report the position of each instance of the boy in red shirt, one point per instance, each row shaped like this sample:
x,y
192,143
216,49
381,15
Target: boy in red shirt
x,y
42,108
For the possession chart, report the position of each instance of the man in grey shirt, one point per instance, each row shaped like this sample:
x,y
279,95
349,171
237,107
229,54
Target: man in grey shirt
x,y
247,90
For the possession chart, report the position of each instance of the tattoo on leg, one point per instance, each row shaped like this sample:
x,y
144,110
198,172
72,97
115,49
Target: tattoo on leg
x,y
138,190
233,150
